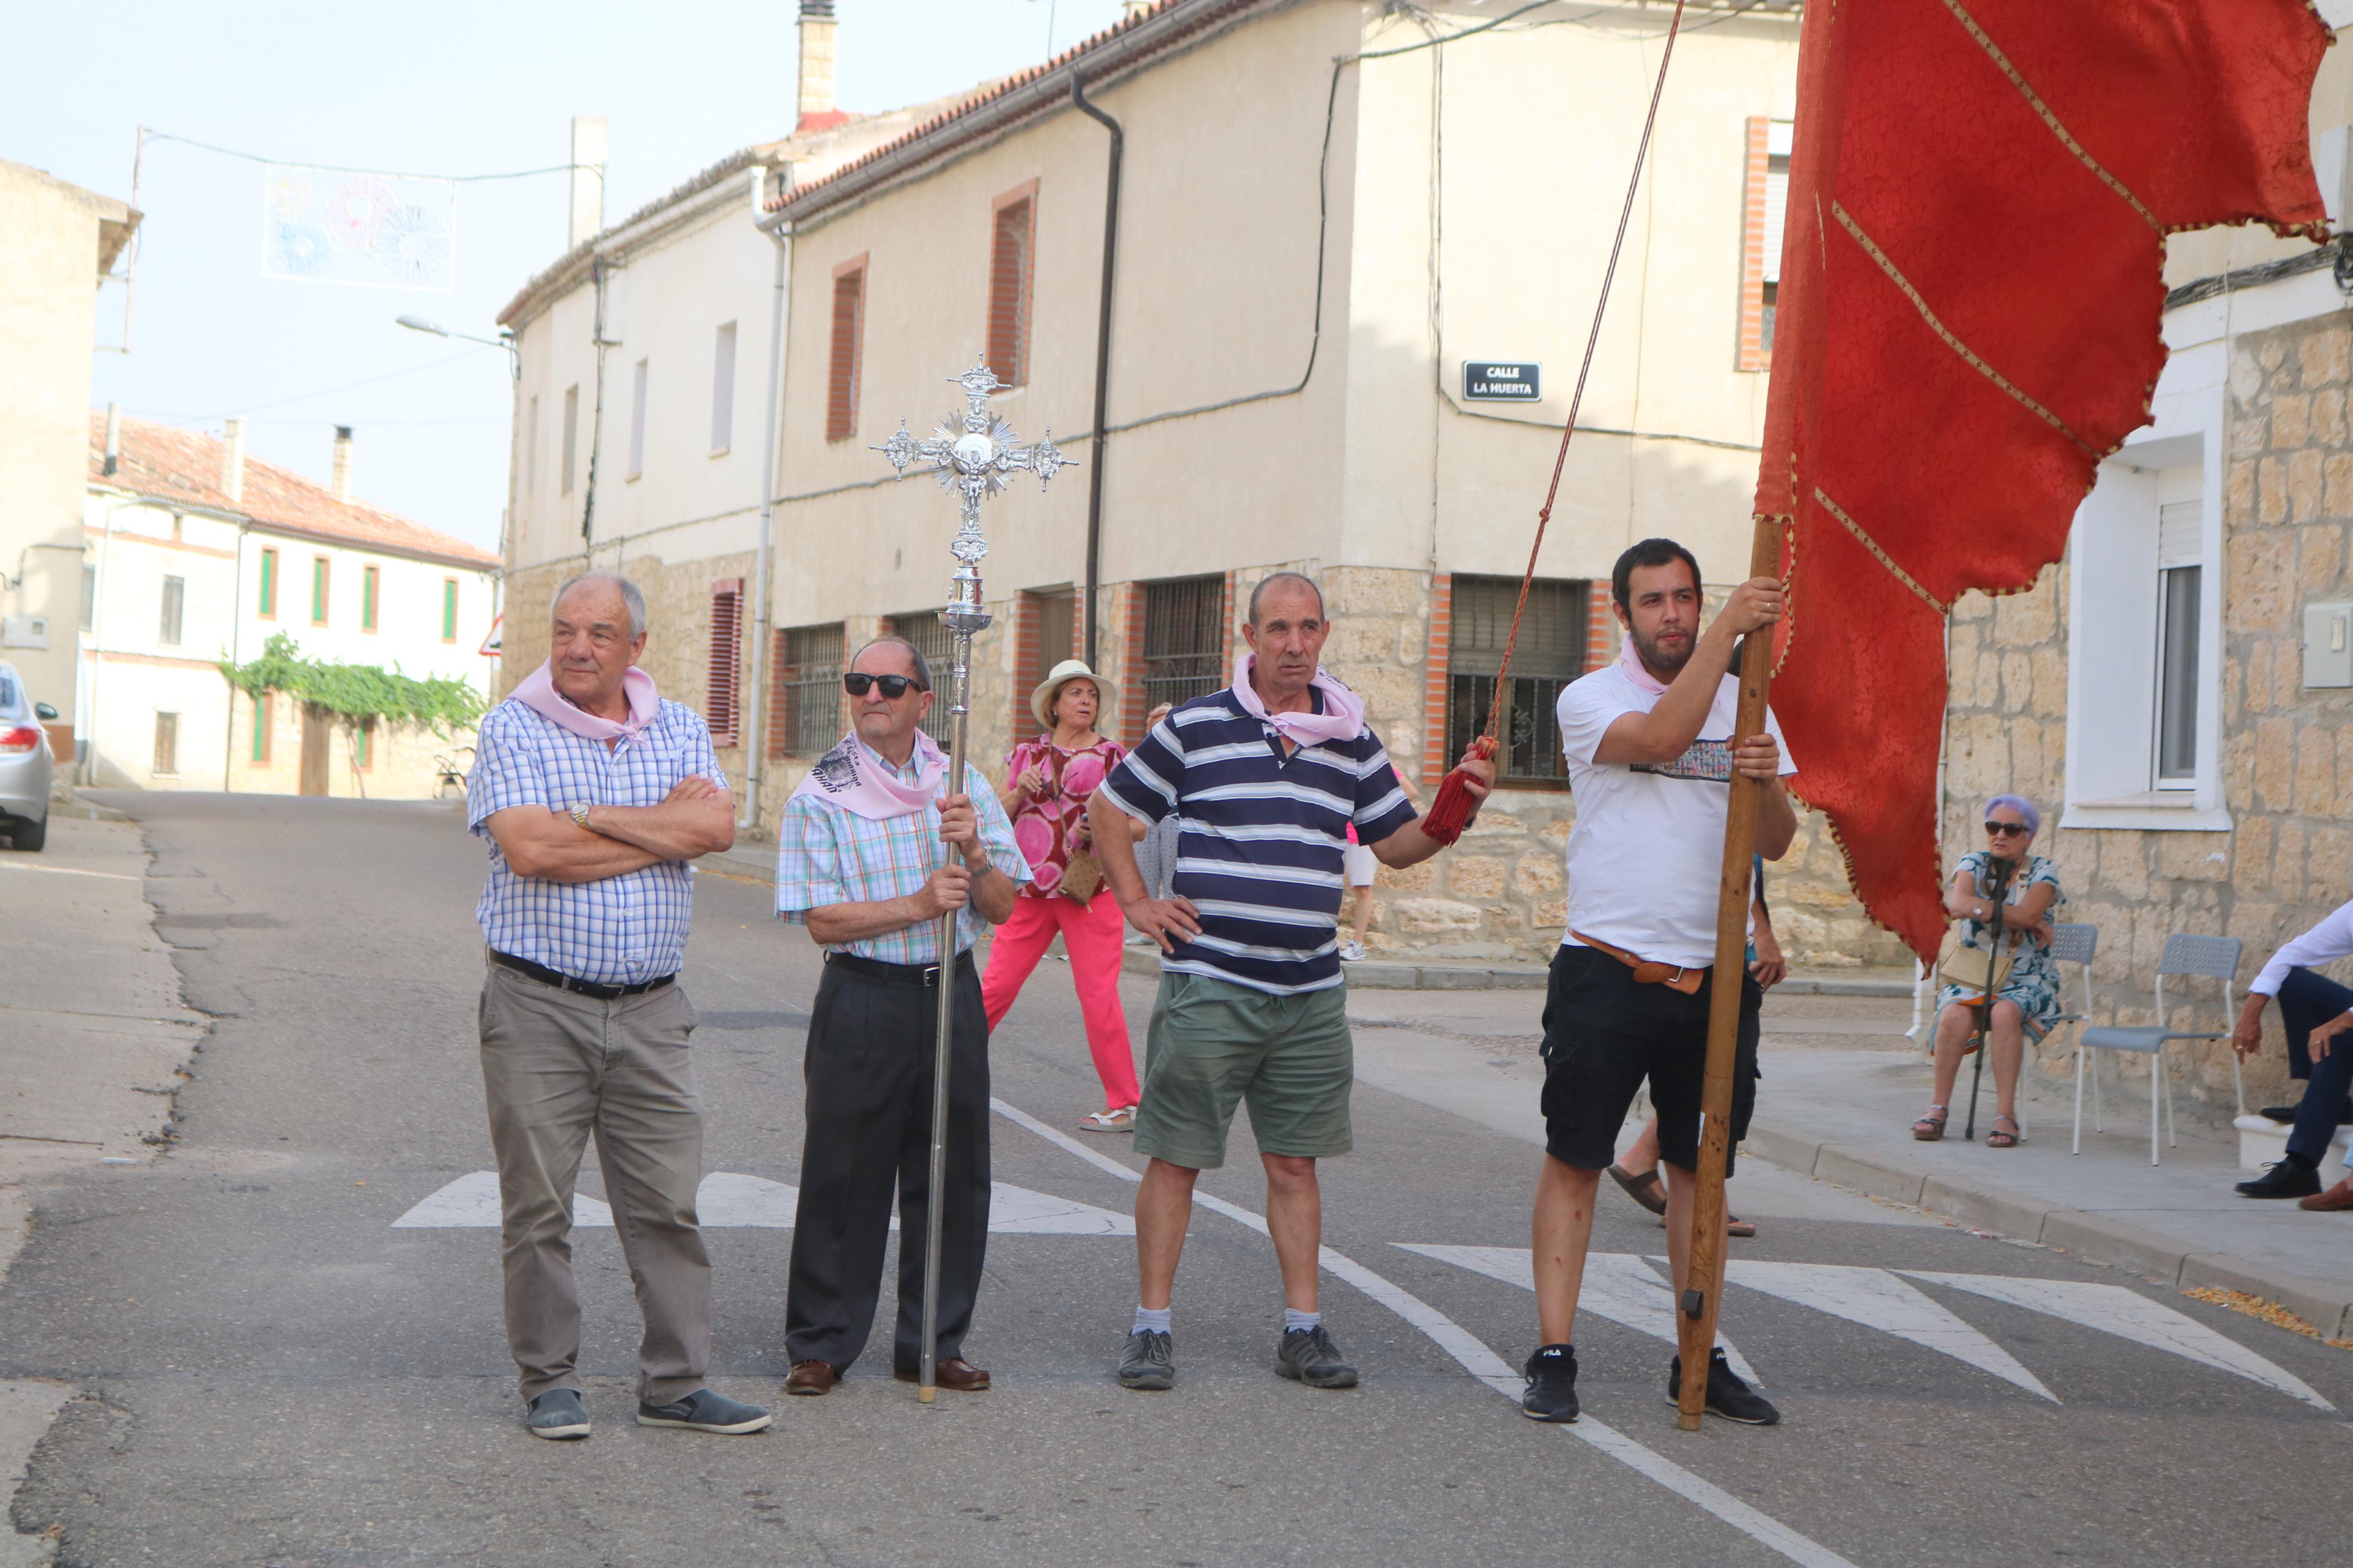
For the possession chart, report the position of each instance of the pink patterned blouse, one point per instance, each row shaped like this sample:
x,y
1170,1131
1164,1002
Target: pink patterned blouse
x,y
1048,825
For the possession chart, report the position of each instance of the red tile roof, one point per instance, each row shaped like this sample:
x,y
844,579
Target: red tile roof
x,y
169,464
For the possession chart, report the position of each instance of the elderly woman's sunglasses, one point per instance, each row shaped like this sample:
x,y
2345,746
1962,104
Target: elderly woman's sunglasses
x,y
2005,828
893,687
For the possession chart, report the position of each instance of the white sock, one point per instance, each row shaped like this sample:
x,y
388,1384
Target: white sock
x,y
1154,1319
1295,1321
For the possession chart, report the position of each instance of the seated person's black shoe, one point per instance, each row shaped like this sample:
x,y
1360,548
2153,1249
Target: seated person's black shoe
x,y
2291,1178
2283,1114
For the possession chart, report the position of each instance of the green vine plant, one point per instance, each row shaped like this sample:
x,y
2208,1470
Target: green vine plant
x,y
352,695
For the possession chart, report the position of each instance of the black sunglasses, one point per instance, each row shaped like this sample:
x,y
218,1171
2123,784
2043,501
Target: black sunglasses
x,y
893,687
2005,827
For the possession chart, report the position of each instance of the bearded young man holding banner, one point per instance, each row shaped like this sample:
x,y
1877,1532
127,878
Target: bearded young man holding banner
x,y
862,861
1651,753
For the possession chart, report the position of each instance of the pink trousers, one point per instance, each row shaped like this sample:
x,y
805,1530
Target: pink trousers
x,y
1091,934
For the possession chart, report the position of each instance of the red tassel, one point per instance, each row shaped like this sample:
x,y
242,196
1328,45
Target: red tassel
x,y
1450,814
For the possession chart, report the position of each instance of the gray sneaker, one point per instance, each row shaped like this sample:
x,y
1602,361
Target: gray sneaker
x,y
1309,1356
1149,1361
557,1415
703,1411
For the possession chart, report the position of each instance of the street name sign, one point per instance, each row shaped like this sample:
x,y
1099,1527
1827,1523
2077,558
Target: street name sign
x,y
1502,381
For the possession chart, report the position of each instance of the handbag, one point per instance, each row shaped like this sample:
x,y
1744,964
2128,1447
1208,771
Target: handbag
x,y
1963,966
1082,877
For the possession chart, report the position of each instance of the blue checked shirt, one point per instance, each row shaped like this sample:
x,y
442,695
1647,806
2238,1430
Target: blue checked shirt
x,y
618,930
826,854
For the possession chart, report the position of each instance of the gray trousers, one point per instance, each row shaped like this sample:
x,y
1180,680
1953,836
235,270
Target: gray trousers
x,y
557,1066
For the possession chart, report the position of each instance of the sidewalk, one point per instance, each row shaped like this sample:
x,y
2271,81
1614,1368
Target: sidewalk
x,y
1842,1084
93,1041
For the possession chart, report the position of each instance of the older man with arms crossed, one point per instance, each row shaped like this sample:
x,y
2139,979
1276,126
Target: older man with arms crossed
x,y
1651,757
862,859
1265,778
595,794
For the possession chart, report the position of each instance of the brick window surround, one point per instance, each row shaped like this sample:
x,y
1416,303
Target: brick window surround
x,y
1045,633
723,705
1764,186
845,351
1012,253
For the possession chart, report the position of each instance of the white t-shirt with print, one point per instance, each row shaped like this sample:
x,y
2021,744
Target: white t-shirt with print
x,y
1647,850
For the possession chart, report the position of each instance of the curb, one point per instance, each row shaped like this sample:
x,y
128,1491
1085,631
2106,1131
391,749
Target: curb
x,y
2094,1238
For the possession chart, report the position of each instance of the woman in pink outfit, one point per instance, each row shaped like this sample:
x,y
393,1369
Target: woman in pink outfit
x,y
1048,781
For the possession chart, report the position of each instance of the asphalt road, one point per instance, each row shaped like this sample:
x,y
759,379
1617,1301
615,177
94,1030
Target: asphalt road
x,y
276,1374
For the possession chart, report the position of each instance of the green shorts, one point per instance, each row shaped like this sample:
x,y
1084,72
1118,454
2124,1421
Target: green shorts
x,y
1213,1044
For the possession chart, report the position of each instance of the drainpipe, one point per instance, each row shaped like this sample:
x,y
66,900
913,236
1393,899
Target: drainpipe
x,y
747,815
1102,360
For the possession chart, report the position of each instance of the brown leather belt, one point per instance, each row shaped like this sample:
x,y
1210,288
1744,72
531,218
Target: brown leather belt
x,y
1674,976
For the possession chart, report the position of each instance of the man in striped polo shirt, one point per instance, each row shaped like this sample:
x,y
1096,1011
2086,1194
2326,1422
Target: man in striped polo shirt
x,y
1265,779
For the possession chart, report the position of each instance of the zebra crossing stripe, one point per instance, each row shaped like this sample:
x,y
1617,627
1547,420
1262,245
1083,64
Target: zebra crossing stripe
x,y
1878,1299
727,1200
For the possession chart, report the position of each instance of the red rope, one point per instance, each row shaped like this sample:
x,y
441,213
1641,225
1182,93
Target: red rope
x,y
1592,342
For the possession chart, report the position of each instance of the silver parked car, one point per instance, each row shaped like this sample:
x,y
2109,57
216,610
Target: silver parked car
x,y
25,764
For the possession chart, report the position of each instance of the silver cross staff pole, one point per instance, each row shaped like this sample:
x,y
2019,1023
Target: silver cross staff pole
x,y
974,454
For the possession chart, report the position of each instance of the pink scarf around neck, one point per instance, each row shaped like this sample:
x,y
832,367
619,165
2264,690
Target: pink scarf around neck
x,y
1637,671
538,694
855,779
1343,715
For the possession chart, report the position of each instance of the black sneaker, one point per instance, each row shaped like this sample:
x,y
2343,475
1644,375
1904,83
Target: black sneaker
x,y
1149,1361
2287,1179
557,1415
1552,1384
1726,1395
704,1411
1309,1356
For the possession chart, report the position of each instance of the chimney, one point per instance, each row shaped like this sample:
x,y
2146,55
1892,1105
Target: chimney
x,y
342,483
1135,10
232,482
113,436
587,215
817,111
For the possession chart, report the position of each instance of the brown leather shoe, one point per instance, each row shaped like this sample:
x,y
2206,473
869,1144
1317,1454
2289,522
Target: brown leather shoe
x,y
811,1377
955,1373
2335,1200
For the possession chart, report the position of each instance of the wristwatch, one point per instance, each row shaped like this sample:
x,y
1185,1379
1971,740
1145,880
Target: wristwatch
x,y
580,816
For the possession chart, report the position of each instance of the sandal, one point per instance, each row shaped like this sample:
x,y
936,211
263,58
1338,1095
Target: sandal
x,y
1120,1120
1644,1189
1931,1128
1997,1139
1733,1225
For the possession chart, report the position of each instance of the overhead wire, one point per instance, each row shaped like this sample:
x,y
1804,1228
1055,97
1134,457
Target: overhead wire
x,y
345,169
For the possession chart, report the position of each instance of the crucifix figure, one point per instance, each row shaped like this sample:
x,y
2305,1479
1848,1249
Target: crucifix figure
x,y
976,454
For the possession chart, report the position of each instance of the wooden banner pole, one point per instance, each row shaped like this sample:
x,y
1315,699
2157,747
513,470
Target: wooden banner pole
x,y
1703,1286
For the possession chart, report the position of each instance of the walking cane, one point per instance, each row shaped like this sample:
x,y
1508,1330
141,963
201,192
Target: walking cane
x,y
973,453
2002,870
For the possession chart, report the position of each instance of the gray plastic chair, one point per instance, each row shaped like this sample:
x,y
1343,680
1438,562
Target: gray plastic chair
x,y
2077,944
2212,957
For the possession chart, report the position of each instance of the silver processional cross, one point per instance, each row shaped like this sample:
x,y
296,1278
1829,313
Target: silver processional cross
x,y
976,454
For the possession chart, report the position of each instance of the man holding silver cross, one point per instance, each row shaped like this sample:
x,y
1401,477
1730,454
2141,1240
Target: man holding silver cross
x,y
861,862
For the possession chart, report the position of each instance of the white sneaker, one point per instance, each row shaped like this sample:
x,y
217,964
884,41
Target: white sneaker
x,y
1351,952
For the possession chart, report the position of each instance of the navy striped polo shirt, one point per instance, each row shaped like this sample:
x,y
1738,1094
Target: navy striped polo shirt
x,y
1259,838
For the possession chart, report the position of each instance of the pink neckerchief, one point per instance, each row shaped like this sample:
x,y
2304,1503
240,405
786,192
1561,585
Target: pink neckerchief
x,y
1636,671
538,694
859,781
1343,715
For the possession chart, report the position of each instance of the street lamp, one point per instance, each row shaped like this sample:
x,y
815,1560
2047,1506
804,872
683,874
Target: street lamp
x,y
505,340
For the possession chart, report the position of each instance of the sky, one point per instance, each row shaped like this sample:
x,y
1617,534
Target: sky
x,y
431,88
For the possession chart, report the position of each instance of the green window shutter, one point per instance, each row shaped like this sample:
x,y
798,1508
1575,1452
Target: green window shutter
x,y
450,609
319,592
269,583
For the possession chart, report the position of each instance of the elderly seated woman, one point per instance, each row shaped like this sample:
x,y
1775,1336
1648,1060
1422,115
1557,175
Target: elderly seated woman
x,y
2028,998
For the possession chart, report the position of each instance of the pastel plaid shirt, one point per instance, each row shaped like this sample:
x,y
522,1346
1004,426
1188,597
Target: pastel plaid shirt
x,y
618,930
826,854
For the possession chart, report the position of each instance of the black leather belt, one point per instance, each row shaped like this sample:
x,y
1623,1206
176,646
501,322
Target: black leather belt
x,y
547,976
897,973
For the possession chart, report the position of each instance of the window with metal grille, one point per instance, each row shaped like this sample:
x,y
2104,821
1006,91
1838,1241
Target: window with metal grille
x,y
1008,286
175,605
1768,192
848,340
1551,654
922,628
723,682
1184,639
167,744
371,584
804,692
